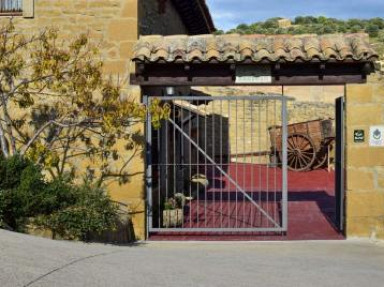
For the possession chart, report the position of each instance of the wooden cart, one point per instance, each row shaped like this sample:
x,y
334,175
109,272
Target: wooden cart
x,y
308,143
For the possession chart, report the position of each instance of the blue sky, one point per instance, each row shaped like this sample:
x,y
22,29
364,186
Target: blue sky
x,y
229,13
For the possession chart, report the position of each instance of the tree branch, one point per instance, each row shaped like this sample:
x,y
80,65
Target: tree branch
x,y
46,125
3,142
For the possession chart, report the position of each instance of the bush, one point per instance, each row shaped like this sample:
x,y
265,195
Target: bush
x,y
68,210
93,212
20,186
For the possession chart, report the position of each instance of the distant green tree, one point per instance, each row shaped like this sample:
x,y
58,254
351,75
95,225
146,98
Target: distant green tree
x,y
379,22
219,32
355,24
380,36
242,27
271,23
313,25
373,30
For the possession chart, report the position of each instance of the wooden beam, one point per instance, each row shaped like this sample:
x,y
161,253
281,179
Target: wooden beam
x,y
222,74
229,81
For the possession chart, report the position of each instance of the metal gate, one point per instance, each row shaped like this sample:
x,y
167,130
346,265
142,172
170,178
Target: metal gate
x,y
214,165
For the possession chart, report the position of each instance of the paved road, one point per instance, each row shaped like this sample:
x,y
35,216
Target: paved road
x,y
32,261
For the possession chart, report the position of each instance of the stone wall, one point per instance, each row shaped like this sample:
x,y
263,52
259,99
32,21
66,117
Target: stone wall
x,y
113,26
364,164
248,124
112,23
168,22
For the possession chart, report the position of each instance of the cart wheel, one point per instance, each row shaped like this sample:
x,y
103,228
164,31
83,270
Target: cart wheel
x,y
321,159
301,152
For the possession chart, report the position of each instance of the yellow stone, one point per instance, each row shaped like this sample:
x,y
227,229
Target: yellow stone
x,y
130,9
359,179
367,114
357,156
115,67
370,204
357,94
123,30
363,226
126,50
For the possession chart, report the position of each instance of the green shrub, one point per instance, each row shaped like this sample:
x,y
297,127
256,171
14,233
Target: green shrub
x,y
20,186
68,210
93,212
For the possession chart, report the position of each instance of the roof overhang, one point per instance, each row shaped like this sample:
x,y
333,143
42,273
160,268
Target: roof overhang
x,y
195,15
209,60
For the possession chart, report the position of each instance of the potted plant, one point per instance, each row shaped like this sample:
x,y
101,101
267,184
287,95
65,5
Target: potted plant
x,y
173,211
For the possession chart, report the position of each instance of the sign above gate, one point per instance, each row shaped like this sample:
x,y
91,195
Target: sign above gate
x,y
253,75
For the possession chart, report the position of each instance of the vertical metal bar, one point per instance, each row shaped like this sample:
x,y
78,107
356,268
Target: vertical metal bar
x,y
244,161
221,163
213,156
275,165
284,164
174,164
165,163
237,178
229,146
148,132
198,167
190,164
181,168
205,162
252,163
260,164
267,165
340,161
160,175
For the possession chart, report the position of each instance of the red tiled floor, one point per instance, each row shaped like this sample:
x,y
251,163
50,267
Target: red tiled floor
x,y
311,205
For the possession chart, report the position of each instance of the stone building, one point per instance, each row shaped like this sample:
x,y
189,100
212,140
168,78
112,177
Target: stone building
x,y
363,110
284,23
117,25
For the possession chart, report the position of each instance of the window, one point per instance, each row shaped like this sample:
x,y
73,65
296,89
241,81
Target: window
x,y
11,7
23,8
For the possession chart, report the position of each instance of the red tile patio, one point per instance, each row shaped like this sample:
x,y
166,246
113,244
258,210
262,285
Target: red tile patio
x,y
311,206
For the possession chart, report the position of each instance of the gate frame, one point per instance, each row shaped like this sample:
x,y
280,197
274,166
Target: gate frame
x,y
167,69
284,166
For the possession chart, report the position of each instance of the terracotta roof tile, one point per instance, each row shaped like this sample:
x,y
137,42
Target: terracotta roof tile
x,y
235,47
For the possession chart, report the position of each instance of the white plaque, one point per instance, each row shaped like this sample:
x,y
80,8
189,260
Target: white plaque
x,y
376,136
253,75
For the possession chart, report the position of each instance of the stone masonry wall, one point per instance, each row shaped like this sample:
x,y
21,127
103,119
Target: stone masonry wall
x,y
154,23
364,164
247,125
112,23
114,26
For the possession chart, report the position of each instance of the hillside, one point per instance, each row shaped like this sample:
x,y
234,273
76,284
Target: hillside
x,y
316,25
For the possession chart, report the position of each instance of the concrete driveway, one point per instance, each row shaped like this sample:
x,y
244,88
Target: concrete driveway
x,y
32,261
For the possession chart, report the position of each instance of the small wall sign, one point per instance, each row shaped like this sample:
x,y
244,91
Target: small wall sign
x,y
359,136
376,136
253,75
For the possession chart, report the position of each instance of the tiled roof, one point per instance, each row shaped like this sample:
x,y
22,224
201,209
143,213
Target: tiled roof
x,y
257,48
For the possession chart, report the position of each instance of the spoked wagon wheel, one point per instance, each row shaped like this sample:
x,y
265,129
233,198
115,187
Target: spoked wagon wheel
x,y
323,154
301,152
321,159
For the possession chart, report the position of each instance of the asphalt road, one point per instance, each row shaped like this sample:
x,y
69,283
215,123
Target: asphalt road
x,y
32,261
